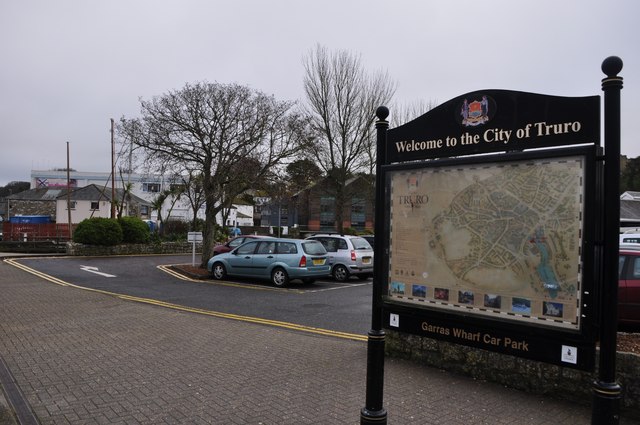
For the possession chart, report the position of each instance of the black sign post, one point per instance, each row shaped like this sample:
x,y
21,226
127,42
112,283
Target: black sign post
x,y
374,412
606,392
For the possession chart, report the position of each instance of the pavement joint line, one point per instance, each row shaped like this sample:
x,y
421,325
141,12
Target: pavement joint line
x,y
230,316
18,402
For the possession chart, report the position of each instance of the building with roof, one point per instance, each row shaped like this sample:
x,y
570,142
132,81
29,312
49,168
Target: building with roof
x,y
144,186
630,212
94,201
630,196
314,208
34,202
147,187
88,201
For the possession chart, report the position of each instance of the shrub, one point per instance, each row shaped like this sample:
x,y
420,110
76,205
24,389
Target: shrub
x,y
98,231
134,230
350,231
174,230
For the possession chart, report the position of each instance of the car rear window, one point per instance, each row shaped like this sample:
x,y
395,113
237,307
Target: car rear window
x,y
287,248
330,244
313,248
360,243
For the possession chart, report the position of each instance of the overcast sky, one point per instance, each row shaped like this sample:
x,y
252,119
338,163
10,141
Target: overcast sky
x,y
67,67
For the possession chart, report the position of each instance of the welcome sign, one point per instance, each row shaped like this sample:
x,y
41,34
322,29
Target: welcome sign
x,y
489,228
493,121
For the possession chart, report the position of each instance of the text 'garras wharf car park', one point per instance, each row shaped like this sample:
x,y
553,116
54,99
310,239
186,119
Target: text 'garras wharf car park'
x,y
278,260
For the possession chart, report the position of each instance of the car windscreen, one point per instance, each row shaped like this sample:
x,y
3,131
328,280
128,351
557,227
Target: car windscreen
x,y
313,248
360,243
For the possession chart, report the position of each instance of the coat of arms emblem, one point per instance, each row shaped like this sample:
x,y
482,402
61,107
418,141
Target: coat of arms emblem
x,y
475,112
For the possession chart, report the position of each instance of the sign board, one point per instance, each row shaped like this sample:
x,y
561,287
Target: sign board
x,y
496,121
490,250
194,237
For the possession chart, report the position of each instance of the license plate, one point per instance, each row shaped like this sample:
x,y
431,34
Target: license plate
x,y
318,261
366,260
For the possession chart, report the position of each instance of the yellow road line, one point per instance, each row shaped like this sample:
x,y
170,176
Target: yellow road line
x,y
250,319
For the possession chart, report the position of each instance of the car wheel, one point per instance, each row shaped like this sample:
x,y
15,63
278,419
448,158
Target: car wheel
x,y
340,273
218,271
308,280
279,277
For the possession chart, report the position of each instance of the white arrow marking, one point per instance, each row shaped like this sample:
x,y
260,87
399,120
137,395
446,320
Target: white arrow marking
x,y
91,269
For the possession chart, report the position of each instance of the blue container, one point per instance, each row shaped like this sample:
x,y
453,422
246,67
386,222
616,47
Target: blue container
x,y
30,219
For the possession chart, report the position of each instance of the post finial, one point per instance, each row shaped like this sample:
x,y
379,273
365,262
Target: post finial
x,y
612,66
382,113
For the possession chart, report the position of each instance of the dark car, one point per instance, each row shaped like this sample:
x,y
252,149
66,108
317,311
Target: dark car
x,y
629,285
235,242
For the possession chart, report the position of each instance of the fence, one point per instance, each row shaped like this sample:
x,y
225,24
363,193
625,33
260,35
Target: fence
x,y
35,231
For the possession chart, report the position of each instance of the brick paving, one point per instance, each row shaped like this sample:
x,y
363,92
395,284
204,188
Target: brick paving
x,y
87,358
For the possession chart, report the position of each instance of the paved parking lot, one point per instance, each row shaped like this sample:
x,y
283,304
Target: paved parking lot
x,y
80,357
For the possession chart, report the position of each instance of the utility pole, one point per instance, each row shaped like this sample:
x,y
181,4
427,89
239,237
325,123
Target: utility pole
x,y
69,196
113,175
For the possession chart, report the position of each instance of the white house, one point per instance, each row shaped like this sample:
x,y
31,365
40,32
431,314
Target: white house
x,y
93,201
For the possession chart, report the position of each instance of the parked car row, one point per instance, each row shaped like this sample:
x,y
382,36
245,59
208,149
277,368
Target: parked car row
x,y
281,260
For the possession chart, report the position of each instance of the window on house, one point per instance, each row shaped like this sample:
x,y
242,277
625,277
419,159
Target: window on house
x,y
357,213
144,210
72,205
327,211
95,205
151,187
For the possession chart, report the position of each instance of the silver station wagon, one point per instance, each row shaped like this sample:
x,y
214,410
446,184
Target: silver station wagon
x,y
348,255
278,260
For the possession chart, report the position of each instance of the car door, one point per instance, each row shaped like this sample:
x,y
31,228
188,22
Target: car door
x,y
629,288
263,258
241,260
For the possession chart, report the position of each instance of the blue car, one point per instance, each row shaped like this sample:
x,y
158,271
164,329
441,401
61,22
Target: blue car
x,y
278,260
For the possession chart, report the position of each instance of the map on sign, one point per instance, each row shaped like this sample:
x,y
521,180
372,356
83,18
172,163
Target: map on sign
x,y
497,239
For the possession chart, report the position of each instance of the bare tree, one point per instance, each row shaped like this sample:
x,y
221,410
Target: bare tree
x,y
403,113
195,194
342,99
212,129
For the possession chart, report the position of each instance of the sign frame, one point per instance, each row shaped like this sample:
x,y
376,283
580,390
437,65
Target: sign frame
x,y
523,119
536,340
